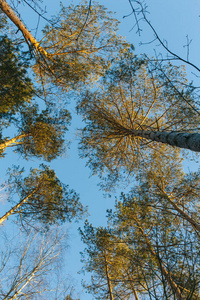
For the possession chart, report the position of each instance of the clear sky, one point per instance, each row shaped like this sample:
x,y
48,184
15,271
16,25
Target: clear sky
x,y
173,20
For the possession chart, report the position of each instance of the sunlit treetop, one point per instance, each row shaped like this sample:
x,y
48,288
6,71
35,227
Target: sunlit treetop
x,y
135,95
79,45
40,133
164,240
49,200
44,132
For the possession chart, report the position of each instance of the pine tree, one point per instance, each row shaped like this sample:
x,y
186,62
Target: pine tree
x,y
151,251
100,254
39,134
73,47
135,113
170,248
42,198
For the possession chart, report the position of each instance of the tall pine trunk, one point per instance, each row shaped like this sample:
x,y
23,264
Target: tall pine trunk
x,y
110,292
184,140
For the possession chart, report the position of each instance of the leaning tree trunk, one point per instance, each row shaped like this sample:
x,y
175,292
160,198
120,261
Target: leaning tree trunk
x,y
14,208
13,142
185,140
31,41
183,214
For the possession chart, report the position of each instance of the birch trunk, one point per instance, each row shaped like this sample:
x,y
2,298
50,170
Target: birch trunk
x,y
184,140
23,286
31,41
13,209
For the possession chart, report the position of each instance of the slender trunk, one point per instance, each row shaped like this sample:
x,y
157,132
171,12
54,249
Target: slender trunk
x,y
132,286
108,279
185,140
22,287
134,292
13,209
166,274
12,142
185,216
26,33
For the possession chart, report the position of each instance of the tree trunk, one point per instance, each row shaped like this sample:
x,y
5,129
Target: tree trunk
x,y
184,215
31,41
17,292
108,279
132,286
13,209
12,142
166,274
185,140
134,292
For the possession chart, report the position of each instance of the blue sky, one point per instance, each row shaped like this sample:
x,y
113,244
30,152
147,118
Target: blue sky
x,y
173,20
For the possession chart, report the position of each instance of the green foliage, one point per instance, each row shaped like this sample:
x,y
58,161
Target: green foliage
x,y
167,181
148,239
145,241
39,133
44,132
15,85
175,244
109,260
97,260
78,45
52,201
134,96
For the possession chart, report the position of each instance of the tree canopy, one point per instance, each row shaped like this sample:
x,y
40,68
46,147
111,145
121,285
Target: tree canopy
x,y
134,103
140,119
42,197
16,87
147,249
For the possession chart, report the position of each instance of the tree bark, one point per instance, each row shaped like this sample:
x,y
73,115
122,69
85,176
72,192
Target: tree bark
x,y
134,292
184,140
166,274
12,142
108,279
13,209
184,215
132,286
31,41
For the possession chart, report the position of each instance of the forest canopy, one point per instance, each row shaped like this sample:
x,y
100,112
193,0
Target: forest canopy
x,y
136,119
